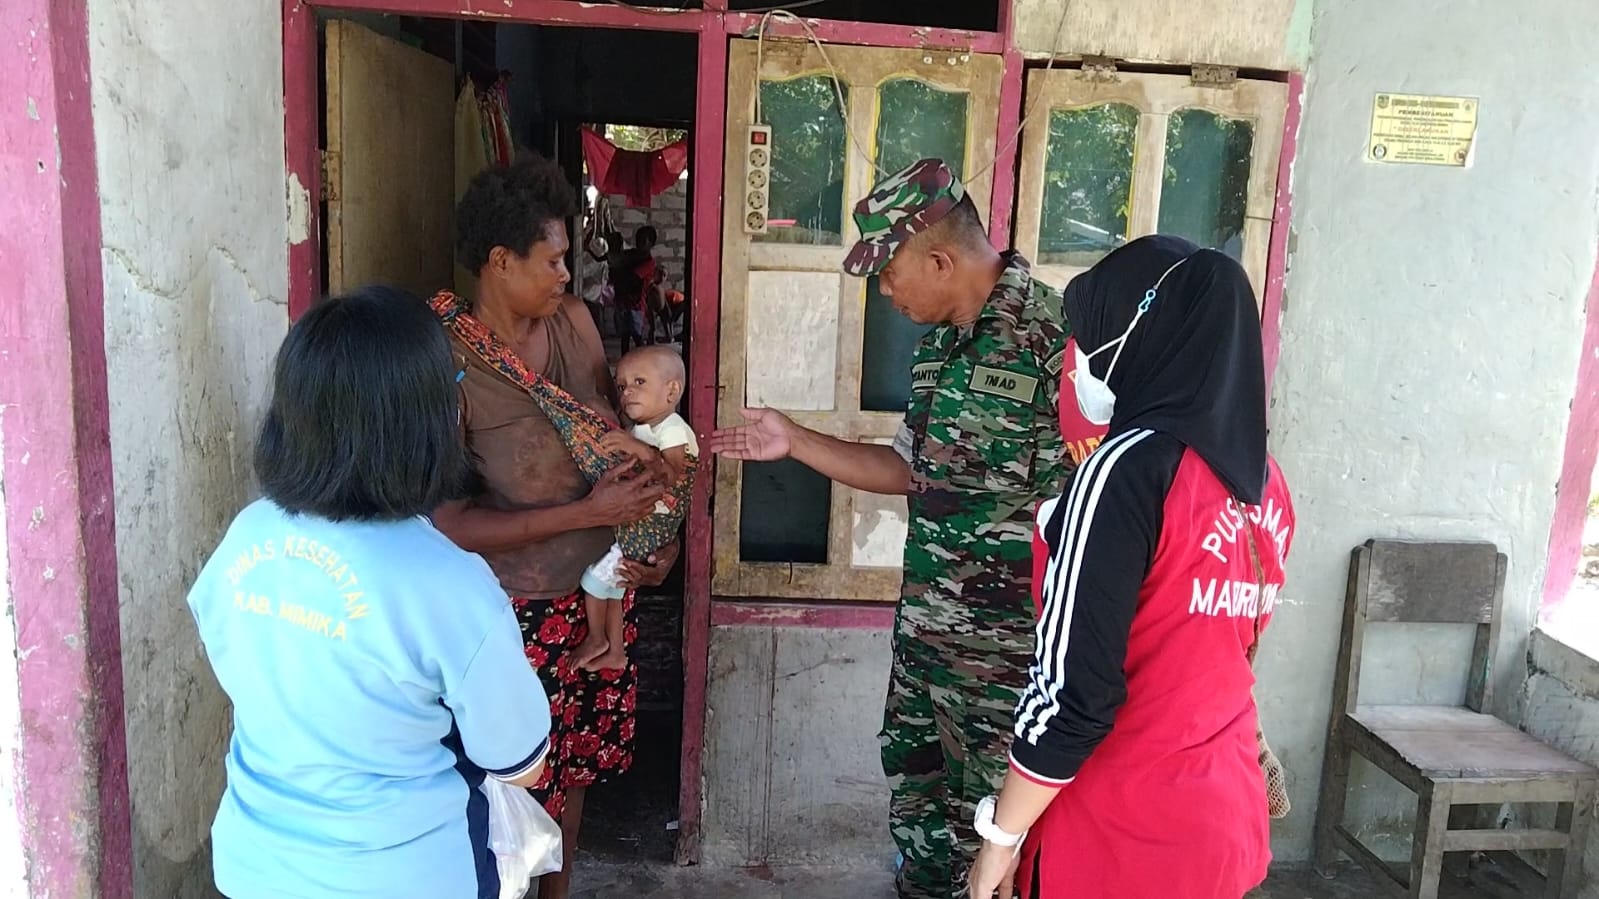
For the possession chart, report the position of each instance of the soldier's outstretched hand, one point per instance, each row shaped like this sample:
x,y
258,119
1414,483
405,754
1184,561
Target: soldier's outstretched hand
x,y
764,439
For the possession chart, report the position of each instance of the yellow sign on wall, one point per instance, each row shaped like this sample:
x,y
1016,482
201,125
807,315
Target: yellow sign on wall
x,y
1423,130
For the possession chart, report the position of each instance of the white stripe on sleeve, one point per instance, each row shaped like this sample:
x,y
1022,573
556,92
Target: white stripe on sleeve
x,y
1042,701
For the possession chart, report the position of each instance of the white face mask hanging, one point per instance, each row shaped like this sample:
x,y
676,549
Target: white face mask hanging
x,y
1095,399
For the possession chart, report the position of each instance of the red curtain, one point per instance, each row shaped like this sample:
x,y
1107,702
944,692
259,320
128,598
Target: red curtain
x,y
637,176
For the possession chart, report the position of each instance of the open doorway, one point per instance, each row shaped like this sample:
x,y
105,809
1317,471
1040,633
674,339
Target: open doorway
x,y
405,101
634,271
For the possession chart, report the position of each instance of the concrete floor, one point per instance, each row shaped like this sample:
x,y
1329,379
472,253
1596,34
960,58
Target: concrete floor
x,y
602,878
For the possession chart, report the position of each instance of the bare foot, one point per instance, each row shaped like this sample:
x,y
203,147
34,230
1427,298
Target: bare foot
x,y
592,647
612,659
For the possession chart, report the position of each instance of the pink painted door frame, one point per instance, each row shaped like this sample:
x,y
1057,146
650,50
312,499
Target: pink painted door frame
x,y
1575,487
71,777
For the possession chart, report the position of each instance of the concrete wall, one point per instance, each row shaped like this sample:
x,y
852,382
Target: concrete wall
x,y
1561,708
188,110
668,212
1432,325
1262,34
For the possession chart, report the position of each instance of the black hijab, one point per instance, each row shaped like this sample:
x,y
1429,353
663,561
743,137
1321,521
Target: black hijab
x,y
1193,367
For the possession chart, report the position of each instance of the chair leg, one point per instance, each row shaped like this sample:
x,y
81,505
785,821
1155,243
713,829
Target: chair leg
x,y
1427,850
1330,807
1565,865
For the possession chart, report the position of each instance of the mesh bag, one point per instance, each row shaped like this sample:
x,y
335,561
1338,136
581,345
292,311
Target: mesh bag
x,y
1277,804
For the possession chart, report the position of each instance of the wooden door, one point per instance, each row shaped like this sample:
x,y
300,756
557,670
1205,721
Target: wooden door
x,y
800,336
390,162
1110,156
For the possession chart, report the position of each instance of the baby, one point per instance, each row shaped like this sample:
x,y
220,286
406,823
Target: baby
x,y
649,383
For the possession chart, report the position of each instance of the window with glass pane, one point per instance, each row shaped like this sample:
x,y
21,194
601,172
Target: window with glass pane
x,y
886,353
916,121
1088,181
784,510
1206,185
808,155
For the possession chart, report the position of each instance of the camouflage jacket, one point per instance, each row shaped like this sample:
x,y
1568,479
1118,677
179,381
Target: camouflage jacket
x,y
985,447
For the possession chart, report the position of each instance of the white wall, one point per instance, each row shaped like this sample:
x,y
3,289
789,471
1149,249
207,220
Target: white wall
x,y
188,110
1430,337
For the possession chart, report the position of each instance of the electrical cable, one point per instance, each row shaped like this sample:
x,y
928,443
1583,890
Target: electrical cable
x,y
838,89
1032,105
832,71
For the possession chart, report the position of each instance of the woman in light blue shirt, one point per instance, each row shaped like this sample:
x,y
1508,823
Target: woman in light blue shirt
x,y
376,671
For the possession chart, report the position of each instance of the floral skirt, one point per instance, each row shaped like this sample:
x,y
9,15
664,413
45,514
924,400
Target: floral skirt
x,y
592,714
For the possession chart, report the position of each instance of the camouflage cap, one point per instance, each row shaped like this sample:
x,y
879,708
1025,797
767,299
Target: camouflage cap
x,y
899,208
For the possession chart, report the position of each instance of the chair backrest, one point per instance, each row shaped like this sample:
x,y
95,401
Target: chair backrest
x,y
1443,583
1433,583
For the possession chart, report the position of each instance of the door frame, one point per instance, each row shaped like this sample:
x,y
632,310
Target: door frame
x,y
714,25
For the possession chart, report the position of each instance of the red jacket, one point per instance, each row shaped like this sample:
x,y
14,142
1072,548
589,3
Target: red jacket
x,y
1140,706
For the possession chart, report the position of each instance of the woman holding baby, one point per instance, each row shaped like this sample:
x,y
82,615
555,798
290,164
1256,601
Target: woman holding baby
x,y
551,494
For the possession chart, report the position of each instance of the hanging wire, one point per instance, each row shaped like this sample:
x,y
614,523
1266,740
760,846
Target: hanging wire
x,y
832,71
838,88
1032,104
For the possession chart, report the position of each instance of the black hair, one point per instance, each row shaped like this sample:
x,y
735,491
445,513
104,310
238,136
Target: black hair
x,y
511,206
962,225
364,418
646,233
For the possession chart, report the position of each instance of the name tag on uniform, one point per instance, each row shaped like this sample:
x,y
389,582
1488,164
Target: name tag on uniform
x,y
925,375
1056,363
999,382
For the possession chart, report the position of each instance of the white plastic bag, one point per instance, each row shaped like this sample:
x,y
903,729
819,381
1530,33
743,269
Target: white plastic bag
x,y
526,841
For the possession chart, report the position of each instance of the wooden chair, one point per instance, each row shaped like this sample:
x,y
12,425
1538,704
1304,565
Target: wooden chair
x,y
1450,756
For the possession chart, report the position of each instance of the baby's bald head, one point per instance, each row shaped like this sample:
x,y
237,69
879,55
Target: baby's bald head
x,y
662,360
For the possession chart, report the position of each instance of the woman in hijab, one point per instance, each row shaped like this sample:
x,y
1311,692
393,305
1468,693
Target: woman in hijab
x,y
1134,770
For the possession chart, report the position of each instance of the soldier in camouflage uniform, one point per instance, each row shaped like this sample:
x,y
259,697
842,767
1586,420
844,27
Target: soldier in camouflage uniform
x,y
980,447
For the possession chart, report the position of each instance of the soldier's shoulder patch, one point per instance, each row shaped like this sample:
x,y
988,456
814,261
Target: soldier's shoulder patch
x,y
1001,382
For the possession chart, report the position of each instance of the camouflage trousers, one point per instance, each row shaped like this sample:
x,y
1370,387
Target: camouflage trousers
x,y
946,741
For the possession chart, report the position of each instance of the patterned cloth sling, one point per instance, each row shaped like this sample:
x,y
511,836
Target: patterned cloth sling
x,y
1277,803
581,428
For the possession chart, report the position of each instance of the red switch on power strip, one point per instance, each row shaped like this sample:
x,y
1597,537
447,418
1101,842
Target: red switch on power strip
x,y
757,176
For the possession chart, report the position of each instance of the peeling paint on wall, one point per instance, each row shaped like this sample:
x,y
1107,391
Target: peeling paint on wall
x,y
196,223
299,210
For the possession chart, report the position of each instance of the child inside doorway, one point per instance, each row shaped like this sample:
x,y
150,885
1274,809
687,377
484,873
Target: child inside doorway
x,y
638,278
649,383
